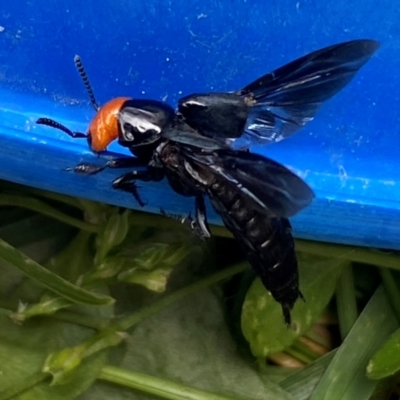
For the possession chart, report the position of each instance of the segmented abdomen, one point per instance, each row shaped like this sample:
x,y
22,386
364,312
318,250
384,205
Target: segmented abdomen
x,y
268,242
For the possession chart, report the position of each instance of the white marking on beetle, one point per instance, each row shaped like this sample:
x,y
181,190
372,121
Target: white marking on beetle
x,y
194,173
193,103
266,243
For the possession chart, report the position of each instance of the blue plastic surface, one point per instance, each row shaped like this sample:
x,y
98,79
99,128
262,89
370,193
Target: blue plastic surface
x,y
167,49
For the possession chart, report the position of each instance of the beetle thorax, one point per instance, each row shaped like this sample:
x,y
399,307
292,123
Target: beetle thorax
x,y
104,127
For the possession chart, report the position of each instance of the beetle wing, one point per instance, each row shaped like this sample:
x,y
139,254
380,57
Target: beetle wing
x,y
289,97
274,188
187,136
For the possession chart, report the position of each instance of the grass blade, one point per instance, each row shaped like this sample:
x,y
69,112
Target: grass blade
x,y
301,384
386,361
50,280
345,377
351,253
346,301
41,207
163,388
391,290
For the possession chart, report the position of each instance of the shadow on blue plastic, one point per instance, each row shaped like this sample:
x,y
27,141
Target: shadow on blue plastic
x,y
164,50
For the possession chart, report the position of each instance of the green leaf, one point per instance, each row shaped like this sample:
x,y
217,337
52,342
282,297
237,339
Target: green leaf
x,y
38,237
189,344
23,350
112,233
50,280
126,323
153,265
262,320
155,281
386,361
345,378
63,364
159,255
302,383
95,213
72,262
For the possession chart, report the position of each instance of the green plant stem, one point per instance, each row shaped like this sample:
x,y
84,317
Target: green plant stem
x,y
17,189
329,250
156,386
127,322
321,340
112,334
301,383
305,350
82,320
346,301
299,355
62,198
26,383
351,253
392,291
41,207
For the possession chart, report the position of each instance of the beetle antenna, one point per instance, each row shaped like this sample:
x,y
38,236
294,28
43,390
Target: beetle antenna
x,y
57,125
82,73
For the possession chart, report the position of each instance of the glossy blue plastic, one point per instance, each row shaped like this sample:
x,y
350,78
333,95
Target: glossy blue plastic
x,y
158,49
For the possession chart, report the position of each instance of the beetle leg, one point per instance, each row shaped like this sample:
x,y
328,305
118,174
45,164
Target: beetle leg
x,y
92,169
187,220
198,226
201,217
127,182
